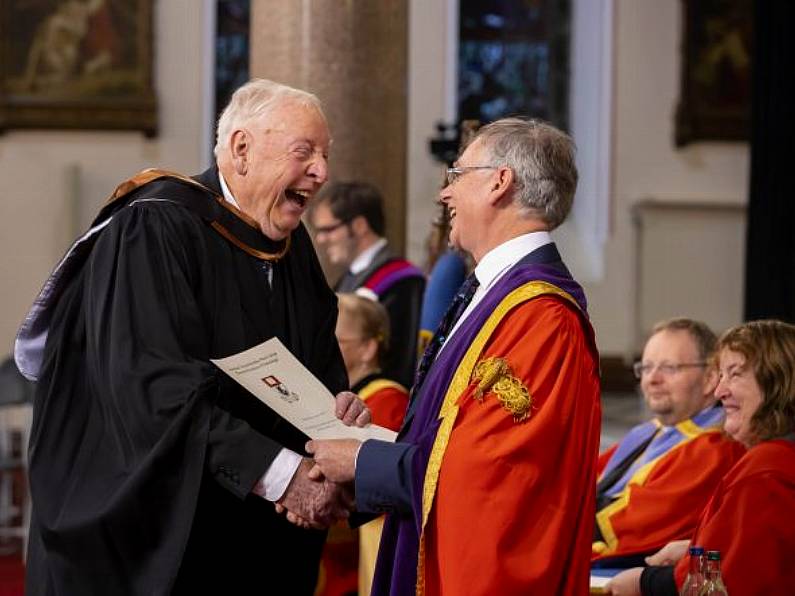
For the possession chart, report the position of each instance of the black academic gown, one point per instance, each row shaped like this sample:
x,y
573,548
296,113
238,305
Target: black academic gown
x,y
142,453
403,303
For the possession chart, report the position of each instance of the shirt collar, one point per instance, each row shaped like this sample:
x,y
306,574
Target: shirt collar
x,y
364,258
501,258
496,263
228,197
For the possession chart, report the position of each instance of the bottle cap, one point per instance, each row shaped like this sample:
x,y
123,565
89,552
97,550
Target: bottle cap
x,y
713,555
696,551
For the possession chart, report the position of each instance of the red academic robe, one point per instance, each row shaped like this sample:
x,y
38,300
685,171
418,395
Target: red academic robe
x,y
663,500
387,401
749,520
524,523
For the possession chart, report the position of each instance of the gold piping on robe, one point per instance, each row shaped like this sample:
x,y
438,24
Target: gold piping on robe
x,y
265,256
691,431
375,386
150,174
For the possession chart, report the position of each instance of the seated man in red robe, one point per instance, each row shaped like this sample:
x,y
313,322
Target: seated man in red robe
x,y
654,483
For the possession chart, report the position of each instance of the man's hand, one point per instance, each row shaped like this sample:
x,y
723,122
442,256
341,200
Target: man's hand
x,y
314,503
351,410
626,583
335,459
669,554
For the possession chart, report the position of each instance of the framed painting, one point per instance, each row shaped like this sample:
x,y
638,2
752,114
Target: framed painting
x,y
715,98
77,64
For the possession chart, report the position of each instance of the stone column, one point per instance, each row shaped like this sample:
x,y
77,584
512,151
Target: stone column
x,y
353,55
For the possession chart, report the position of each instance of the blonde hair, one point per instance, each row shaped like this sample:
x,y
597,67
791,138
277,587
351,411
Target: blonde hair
x,y
257,99
369,318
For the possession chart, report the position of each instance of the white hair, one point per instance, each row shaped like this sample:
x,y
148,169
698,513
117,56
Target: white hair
x,y
257,99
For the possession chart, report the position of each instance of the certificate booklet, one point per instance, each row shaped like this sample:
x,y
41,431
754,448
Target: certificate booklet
x,y
282,383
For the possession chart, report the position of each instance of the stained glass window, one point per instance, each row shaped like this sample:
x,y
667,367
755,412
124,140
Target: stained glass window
x,y
513,59
231,49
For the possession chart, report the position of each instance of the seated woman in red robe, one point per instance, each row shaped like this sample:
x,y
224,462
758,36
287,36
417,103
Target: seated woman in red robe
x,y
748,517
363,336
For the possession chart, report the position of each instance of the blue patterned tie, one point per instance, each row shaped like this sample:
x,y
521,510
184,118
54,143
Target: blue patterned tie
x,y
457,307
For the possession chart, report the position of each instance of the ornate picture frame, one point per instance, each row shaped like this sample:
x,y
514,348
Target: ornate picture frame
x,y
716,71
77,64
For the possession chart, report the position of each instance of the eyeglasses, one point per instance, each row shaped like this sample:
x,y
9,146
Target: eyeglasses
x,y
666,369
454,173
331,228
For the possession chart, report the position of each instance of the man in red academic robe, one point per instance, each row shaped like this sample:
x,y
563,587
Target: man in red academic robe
x,y
489,489
654,483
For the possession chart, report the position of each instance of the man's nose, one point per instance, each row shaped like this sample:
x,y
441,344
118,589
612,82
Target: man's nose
x,y
318,169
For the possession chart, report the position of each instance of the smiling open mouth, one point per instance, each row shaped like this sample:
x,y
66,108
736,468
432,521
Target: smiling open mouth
x,y
297,196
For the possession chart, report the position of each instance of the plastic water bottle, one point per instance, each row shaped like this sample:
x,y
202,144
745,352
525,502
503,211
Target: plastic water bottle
x,y
695,579
714,584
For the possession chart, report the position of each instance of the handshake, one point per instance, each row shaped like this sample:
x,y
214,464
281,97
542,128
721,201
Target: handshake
x,y
321,490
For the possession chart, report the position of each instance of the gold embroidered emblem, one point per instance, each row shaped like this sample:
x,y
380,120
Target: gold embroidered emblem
x,y
495,375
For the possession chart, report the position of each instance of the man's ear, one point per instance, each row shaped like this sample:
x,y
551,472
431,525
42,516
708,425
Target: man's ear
x,y
240,145
359,226
501,184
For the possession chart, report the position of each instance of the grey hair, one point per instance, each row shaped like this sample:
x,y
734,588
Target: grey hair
x,y
542,160
256,99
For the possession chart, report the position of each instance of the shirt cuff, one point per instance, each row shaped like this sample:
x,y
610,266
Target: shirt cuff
x,y
278,476
356,455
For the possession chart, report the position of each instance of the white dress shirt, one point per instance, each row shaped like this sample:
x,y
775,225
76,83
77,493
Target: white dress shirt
x,y
364,258
231,199
496,263
282,469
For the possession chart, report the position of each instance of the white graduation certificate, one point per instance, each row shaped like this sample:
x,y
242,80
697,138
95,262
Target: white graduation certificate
x,y
281,382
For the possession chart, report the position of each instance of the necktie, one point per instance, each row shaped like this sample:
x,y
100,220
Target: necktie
x,y
457,307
